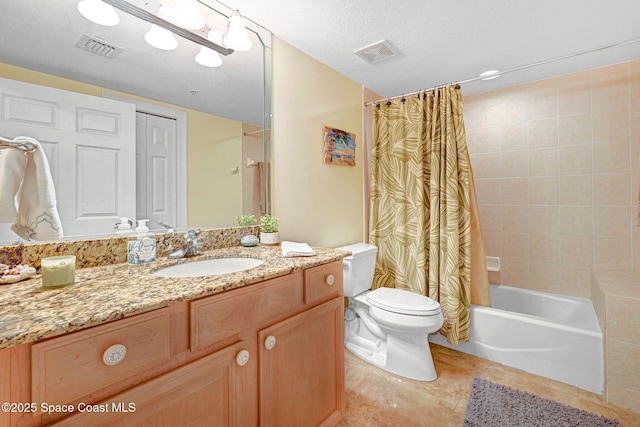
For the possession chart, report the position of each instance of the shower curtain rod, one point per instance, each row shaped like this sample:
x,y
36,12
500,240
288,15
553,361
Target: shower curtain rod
x,y
511,70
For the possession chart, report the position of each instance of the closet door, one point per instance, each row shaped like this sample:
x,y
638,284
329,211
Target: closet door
x,y
90,144
156,166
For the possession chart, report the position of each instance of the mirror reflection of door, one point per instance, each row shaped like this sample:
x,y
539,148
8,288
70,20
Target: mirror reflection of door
x,y
156,169
89,144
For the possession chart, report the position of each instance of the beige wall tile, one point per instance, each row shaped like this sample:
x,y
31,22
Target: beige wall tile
x,y
623,319
574,129
490,217
543,161
634,82
574,93
515,219
610,86
543,133
542,100
624,397
514,191
611,189
544,248
574,281
575,159
623,363
516,273
611,124
576,220
612,221
488,191
544,219
516,247
575,190
515,163
577,251
486,165
492,241
544,277
488,139
513,136
612,252
543,190
612,157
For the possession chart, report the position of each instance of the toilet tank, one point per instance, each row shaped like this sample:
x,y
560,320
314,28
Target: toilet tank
x,y
358,268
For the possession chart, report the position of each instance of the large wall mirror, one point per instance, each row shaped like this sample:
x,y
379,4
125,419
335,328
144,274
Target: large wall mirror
x,y
221,115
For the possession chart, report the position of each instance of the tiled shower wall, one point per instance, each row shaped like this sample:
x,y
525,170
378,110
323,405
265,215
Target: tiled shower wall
x,y
556,165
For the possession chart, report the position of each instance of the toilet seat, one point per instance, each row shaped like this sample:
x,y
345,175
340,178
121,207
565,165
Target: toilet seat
x,y
403,302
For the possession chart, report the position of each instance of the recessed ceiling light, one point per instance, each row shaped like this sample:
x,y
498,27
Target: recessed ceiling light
x,y
490,74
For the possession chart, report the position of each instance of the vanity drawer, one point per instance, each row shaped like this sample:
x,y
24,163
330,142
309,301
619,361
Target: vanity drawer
x,y
70,367
222,316
323,282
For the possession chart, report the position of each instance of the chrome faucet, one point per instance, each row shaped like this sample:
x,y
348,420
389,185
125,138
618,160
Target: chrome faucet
x,y
192,245
166,226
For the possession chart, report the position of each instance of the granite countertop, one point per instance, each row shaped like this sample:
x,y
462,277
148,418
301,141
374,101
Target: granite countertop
x,y
107,293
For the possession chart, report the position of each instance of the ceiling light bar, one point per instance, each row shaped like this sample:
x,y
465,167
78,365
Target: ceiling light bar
x,y
153,19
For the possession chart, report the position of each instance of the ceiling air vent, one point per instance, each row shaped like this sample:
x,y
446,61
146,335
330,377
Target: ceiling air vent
x,y
376,52
99,47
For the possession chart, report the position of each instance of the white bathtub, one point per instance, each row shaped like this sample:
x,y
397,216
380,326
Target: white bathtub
x,y
554,336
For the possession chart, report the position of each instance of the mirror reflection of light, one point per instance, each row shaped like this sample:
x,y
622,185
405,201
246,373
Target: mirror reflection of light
x,y
184,14
236,37
160,38
99,12
209,57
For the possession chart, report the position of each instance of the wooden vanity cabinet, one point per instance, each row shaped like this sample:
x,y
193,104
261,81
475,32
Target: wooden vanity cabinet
x,y
268,354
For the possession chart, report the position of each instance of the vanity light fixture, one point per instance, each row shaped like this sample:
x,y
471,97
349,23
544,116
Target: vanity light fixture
x,y
184,14
236,37
161,38
490,74
99,12
208,57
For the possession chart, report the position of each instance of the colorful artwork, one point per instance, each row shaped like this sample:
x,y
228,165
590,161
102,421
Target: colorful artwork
x,y
339,147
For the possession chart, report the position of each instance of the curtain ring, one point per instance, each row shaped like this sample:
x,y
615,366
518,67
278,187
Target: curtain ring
x,y
378,105
388,103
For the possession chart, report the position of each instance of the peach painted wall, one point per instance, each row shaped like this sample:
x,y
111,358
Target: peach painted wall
x,y
556,165
317,203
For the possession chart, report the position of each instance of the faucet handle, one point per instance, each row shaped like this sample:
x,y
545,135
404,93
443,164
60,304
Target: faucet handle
x,y
191,235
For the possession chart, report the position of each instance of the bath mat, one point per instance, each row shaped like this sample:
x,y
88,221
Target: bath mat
x,y
494,405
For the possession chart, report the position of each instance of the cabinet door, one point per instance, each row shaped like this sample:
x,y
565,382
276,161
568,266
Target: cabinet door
x,y
217,390
302,368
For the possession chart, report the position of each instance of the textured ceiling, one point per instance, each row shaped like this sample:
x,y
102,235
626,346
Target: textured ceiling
x,y
442,41
438,42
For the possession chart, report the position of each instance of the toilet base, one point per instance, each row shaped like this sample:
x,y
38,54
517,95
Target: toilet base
x,y
406,356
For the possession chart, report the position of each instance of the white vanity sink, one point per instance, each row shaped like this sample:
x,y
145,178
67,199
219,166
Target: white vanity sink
x,y
209,267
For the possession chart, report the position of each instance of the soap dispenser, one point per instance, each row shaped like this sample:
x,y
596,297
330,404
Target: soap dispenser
x,y
125,226
141,246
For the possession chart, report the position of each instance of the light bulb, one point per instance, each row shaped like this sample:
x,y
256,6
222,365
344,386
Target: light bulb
x,y
161,38
184,14
99,12
236,37
209,57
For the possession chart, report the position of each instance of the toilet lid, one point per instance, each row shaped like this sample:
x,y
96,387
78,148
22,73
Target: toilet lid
x,y
403,302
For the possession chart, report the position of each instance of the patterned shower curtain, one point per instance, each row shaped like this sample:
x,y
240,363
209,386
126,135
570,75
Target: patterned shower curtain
x,y
424,217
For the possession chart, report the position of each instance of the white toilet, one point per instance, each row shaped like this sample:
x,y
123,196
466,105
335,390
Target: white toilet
x,y
387,327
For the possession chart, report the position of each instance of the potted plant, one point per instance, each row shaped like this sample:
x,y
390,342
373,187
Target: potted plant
x,y
269,230
246,220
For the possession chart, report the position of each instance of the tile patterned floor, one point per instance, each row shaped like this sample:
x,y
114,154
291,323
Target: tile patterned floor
x,y
376,398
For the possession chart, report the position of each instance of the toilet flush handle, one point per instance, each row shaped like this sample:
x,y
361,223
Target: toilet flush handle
x,y
330,279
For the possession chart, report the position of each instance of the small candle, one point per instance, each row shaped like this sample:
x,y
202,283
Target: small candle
x,y
58,271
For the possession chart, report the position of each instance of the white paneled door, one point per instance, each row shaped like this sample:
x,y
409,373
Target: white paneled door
x,y
156,169
90,143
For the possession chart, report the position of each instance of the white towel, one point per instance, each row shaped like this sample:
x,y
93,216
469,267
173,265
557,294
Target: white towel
x,y
291,249
29,186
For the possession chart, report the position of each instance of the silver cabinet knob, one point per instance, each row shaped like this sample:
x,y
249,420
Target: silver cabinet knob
x,y
330,280
114,354
270,342
242,357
